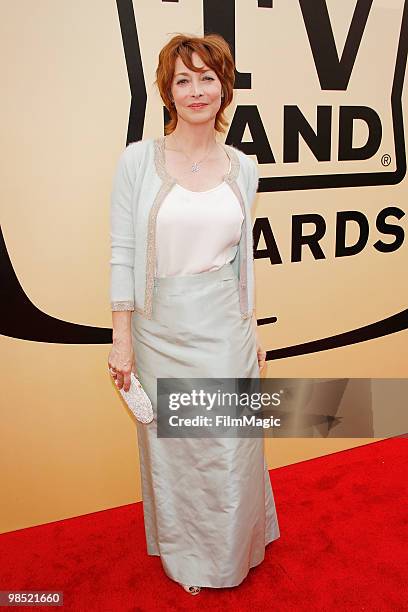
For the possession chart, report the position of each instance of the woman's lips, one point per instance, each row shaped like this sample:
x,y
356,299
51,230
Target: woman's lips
x,y
197,106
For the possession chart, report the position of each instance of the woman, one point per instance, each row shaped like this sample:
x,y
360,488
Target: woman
x,y
182,300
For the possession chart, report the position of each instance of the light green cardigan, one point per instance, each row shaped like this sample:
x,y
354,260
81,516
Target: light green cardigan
x,y
140,184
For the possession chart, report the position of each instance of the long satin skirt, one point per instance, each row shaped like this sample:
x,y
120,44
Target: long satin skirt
x,y
208,504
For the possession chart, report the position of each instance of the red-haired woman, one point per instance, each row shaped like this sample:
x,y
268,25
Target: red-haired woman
x,y
182,300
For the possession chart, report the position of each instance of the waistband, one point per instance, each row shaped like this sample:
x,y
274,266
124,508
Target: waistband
x,y
194,280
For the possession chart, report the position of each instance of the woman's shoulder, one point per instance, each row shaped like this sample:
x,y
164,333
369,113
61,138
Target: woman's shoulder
x,y
138,147
132,157
135,154
244,159
247,164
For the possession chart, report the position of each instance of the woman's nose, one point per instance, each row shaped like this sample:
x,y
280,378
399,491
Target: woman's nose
x,y
196,89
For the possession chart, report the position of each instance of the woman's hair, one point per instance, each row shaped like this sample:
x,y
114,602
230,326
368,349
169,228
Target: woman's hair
x,y
215,52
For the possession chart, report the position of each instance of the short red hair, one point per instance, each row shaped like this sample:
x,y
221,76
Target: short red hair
x,y
215,52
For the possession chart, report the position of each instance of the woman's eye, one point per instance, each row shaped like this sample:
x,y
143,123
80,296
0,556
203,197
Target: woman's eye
x,y
184,80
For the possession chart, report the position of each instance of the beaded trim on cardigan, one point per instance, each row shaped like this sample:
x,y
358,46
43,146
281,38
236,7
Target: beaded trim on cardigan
x,y
124,305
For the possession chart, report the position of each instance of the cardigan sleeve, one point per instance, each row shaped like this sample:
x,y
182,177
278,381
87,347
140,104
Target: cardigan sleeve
x,y
253,182
122,284
252,190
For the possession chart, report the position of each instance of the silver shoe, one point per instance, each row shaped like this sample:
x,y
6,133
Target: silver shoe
x,y
193,590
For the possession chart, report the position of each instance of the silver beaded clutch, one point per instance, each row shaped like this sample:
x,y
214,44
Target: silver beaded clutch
x,y
138,401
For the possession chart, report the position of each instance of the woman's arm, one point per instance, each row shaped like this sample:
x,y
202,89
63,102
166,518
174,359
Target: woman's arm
x,y
252,190
121,357
261,354
122,235
121,325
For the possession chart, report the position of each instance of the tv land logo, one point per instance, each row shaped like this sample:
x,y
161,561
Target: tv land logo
x,y
318,143
352,94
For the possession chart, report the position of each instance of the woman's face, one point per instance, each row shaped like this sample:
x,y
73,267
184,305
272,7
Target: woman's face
x,y
189,87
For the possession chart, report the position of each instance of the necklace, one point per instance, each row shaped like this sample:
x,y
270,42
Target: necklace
x,y
195,165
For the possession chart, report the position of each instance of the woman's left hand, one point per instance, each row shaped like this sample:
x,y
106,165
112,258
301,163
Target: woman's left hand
x,y
261,354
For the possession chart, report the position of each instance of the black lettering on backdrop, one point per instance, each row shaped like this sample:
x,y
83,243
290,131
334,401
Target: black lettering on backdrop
x,y
299,239
344,219
390,229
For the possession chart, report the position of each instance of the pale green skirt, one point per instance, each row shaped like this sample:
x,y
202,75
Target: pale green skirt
x,y
208,504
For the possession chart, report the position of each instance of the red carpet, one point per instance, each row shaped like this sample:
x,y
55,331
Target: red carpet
x,y
343,546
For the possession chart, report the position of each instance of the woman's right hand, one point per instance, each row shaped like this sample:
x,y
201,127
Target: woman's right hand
x,y
121,362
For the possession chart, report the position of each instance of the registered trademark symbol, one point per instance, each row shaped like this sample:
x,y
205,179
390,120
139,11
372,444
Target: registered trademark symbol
x,y
386,159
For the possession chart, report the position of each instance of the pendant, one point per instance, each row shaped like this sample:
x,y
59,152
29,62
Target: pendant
x,y
195,167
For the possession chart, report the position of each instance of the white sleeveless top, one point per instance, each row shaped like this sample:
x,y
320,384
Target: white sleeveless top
x,y
197,231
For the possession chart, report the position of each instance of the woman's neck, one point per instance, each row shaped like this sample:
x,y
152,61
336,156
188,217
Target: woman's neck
x,y
192,141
